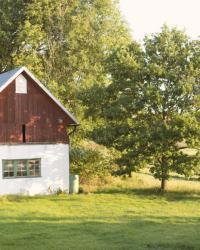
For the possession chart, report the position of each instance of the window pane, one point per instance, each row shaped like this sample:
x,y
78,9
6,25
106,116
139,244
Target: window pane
x,y
34,167
8,170
21,168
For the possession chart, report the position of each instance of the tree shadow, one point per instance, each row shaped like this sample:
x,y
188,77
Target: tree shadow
x,y
182,178
152,193
23,198
131,232
176,177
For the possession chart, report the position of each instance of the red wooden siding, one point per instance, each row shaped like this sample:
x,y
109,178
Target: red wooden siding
x,y
36,110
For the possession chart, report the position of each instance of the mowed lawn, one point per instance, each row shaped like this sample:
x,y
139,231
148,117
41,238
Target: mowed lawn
x,y
110,219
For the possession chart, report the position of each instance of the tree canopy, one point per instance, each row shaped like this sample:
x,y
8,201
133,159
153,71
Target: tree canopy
x,y
151,106
65,43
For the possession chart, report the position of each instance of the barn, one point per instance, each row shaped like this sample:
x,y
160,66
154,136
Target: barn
x,y
34,136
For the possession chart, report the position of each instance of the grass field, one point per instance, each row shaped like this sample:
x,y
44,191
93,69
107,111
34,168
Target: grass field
x,y
125,215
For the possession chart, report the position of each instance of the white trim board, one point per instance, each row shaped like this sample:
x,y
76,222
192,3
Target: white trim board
x,y
24,69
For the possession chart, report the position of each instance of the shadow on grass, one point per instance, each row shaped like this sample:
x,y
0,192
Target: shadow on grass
x,y
138,233
181,178
176,177
147,193
152,193
24,198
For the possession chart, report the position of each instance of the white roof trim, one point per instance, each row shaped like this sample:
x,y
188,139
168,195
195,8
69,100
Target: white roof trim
x,y
42,87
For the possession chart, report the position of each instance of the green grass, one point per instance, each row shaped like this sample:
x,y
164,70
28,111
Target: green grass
x,y
124,215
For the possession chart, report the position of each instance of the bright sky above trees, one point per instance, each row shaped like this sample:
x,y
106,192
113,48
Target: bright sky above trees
x,y
147,16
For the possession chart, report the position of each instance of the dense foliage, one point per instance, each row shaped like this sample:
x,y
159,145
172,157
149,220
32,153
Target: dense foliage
x,y
151,107
93,161
65,43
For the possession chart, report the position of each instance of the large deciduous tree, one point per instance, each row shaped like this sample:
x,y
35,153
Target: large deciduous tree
x,y
150,110
171,92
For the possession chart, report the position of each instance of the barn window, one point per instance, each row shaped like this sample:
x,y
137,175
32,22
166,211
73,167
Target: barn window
x,y
21,85
21,168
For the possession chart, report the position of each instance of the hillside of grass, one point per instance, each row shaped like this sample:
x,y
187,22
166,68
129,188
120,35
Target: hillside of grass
x,y
124,214
144,181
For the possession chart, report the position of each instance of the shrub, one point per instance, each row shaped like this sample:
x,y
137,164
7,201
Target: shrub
x,y
91,161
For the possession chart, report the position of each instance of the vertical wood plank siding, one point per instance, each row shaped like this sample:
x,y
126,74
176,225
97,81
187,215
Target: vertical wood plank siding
x,y
37,111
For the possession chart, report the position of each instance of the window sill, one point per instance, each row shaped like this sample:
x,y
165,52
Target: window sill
x,y
21,177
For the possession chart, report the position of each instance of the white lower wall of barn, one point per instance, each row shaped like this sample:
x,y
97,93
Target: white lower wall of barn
x,y
54,169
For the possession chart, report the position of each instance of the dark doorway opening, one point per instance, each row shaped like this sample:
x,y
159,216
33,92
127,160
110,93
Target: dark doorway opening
x,y
24,133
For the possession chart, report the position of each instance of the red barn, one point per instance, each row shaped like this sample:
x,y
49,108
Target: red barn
x,y
34,143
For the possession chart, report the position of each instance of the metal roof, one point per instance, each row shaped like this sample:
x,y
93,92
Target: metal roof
x,y
7,77
4,77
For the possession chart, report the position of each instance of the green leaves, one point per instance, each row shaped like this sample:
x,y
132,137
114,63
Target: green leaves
x,y
92,160
152,104
65,43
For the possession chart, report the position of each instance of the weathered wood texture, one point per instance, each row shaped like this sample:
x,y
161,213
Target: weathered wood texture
x,y
45,121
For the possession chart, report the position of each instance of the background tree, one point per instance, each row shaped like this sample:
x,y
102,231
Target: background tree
x,y
65,43
11,17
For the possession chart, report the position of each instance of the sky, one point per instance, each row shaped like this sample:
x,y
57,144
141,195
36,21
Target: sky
x,y
145,17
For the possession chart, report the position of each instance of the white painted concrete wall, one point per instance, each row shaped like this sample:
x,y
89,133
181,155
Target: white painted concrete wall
x,y
54,169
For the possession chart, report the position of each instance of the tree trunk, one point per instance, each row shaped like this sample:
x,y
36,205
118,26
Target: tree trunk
x,y
129,174
163,184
